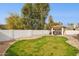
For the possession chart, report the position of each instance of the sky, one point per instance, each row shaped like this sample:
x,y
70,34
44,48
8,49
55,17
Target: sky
x,y
65,13
7,8
60,12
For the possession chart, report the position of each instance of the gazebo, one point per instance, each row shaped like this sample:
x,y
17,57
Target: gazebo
x,y
57,30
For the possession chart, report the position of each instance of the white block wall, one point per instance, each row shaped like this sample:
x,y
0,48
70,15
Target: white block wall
x,y
6,35
14,34
22,33
71,32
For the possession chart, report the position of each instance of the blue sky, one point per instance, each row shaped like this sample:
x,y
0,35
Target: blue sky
x,y
7,8
66,13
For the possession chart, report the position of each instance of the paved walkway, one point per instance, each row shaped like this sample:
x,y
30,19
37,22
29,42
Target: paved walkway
x,y
73,41
4,46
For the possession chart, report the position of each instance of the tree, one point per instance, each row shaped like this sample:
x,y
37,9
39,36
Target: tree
x,y
10,22
33,17
2,26
37,14
50,22
14,22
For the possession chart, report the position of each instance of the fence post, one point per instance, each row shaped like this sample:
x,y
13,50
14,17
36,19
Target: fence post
x,y
52,31
62,31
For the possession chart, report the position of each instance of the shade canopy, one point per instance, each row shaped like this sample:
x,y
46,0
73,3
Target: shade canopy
x,y
57,26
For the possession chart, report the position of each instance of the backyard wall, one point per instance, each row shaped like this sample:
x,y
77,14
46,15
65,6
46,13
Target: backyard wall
x,y
6,35
71,32
14,34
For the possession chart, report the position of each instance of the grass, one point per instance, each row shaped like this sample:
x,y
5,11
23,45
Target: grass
x,y
44,46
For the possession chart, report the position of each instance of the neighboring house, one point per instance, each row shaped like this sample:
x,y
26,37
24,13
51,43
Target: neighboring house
x,y
73,26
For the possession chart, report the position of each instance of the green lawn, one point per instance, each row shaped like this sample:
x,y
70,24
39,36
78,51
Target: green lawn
x,y
44,46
